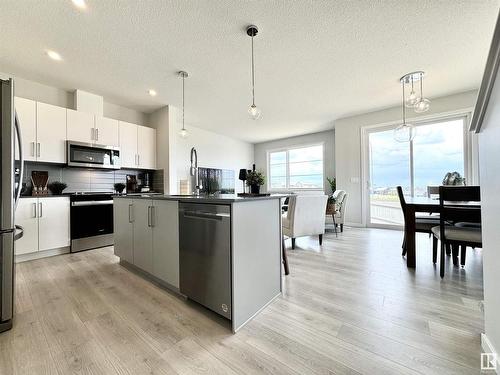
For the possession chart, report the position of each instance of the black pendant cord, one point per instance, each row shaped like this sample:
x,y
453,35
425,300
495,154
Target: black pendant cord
x,y
253,76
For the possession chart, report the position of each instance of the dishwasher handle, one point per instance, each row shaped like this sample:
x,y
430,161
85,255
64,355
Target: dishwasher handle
x,y
206,215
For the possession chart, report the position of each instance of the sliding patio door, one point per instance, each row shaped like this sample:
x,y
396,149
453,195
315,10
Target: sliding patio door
x,y
439,147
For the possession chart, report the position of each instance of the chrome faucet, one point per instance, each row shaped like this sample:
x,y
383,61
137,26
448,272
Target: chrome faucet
x,y
193,171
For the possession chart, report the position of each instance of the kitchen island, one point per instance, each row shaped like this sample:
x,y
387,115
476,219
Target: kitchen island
x,y
222,251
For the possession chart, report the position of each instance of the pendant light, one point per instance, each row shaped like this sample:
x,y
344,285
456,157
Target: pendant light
x,y
413,97
183,132
422,104
404,132
253,111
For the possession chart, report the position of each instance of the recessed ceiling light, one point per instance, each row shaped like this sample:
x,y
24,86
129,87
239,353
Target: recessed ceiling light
x,y
152,92
79,4
54,55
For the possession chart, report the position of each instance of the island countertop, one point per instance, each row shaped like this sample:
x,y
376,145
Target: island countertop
x,y
220,198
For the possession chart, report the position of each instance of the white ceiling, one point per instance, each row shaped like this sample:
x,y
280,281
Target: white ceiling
x,y
316,61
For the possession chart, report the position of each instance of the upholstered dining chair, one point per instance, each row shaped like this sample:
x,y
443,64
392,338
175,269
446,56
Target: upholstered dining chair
x,y
455,207
340,197
305,217
423,224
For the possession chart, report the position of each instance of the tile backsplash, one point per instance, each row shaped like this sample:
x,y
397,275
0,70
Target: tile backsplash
x,y
87,180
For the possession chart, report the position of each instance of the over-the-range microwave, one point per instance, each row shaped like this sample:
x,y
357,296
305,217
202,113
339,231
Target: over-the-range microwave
x,y
88,155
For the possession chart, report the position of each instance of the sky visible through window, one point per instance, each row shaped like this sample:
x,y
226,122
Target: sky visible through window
x,y
297,168
437,149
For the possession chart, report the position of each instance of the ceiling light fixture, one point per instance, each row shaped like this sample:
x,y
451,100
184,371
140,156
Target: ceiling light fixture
x,y
183,132
79,4
152,92
422,104
253,111
404,132
54,55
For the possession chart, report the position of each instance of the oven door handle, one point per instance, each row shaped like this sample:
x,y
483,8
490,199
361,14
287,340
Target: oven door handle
x,y
91,203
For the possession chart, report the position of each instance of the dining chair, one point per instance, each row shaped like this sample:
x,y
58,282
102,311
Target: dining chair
x,y
338,216
423,224
454,207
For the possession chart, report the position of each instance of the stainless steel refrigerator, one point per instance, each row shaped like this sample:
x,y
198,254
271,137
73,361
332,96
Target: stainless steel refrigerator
x,y
9,196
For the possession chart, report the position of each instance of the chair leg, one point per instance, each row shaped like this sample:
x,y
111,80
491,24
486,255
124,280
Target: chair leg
x,y
463,250
448,249
285,258
320,239
441,259
454,252
341,228
293,243
335,225
434,249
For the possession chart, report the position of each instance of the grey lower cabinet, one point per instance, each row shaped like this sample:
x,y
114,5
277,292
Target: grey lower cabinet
x,y
147,236
123,229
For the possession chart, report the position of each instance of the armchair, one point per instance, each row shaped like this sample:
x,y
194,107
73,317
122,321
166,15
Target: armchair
x,y
305,217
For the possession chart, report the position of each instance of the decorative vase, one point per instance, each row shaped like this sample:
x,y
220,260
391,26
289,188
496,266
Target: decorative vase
x,y
255,189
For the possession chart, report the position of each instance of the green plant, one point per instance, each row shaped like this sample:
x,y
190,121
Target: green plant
x,y
255,178
119,186
333,187
57,187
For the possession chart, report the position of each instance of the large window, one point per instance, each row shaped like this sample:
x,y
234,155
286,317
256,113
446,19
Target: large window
x,y
438,148
296,168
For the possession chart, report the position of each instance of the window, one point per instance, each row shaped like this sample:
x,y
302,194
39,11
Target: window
x,y
296,168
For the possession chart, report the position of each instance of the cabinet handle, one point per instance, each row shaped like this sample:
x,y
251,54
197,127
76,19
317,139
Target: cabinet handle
x,y
32,148
40,209
130,220
149,216
92,130
38,147
97,134
34,210
153,211
138,159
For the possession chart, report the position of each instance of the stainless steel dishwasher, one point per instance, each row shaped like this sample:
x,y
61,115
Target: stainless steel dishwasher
x,y
205,255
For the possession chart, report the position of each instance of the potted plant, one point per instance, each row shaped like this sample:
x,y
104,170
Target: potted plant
x,y
330,206
57,187
255,180
119,186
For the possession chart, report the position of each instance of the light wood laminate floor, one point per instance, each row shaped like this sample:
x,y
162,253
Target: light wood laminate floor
x,y
349,307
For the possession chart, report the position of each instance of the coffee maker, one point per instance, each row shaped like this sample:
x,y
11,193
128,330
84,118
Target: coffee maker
x,y
144,182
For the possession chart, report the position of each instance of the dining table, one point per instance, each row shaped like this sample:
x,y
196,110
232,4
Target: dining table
x,y
416,205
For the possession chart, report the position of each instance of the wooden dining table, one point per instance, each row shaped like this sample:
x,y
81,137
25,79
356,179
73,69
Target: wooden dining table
x,y
422,204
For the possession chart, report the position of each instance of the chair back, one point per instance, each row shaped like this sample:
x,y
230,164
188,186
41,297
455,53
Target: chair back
x,y
306,214
340,197
454,202
402,200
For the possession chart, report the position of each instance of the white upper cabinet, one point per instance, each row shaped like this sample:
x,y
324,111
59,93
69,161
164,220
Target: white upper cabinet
x,y
128,144
26,113
80,126
146,147
51,133
106,131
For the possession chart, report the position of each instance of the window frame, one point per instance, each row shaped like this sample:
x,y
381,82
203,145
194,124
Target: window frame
x,y
287,149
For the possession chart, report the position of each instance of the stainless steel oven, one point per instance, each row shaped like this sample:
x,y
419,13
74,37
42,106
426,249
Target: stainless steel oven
x,y
88,155
91,221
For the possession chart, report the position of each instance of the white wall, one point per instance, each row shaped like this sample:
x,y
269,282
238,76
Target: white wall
x,y
326,137
348,143
489,169
214,151
56,96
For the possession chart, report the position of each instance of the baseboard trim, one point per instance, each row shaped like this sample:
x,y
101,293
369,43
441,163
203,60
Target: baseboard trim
x,y
41,254
488,347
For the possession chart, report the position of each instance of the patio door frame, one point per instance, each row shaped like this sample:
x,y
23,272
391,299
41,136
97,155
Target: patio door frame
x,y
471,162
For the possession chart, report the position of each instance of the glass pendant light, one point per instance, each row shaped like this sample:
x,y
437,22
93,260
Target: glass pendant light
x,y
183,132
413,97
404,132
253,111
422,104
